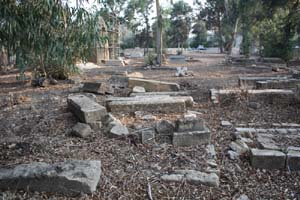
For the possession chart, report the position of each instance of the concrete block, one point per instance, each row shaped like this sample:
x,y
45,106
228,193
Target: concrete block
x,y
267,159
153,85
85,109
191,138
293,160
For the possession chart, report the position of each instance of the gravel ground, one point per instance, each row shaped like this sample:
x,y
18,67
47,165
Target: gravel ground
x,y
35,123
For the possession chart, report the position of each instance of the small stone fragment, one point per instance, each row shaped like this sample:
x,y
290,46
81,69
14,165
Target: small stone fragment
x,y
81,130
138,89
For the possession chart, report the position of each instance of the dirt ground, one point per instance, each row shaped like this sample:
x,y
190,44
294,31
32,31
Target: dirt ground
x,y
35,122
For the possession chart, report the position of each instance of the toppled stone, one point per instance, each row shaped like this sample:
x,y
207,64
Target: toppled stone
x,y
115,62
191,138
85,109
81,130
153,85
164,127
68,178
211,151
293,160
175,93
266,142
98,87
156,104
233,155
148,136
192,177
267,159
189,124
239,147
226,123
118,129
138,89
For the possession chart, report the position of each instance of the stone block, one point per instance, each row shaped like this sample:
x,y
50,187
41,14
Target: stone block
x,y
153,85
98,88
116,62
193,177
266,142
191,138
293,160
154,104
267,159
85,109
189,124
119,81
164,127
68,178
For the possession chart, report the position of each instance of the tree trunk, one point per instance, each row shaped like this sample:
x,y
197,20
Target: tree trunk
x,y
234,35
159,34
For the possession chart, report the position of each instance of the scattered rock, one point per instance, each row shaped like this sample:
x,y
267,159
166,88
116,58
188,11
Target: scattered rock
x,y
81,130
138,89
226,123
68,178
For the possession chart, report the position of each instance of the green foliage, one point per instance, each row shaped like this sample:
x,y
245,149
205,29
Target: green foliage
x,y
199,29
180,25
150,58
48,36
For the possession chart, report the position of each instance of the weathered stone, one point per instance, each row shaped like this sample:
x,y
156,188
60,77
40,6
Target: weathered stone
x,y
266,142
189,124
164,127
178,93
267,159
211,151
192,177
293,160
85,109
239,146
153,85
135,75
250,82
138,89
148,117
277,84
116,62
119,81
68,178
191,138
226,123
97,125
148,136
118,129
233,155
154,104
242,197
98,87
81,130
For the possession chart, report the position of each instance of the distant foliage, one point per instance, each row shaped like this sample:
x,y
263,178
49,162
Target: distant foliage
x,y
47,36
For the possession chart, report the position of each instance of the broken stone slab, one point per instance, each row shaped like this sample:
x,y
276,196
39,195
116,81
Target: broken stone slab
x,y
267,159
190,138
239,147
98,87
81,130
189,124
278,84
138,89
265,141
192,177
179,93
250,82
69,178
153,85
115,128
158,105
164,127
115,62
85,109
293,160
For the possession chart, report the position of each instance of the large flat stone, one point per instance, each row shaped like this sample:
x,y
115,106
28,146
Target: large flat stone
x,y
85,109
157,104
98,88
191,138
267,159
179,93
278,84
153,85
68,178
293,160
250,82
116,62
